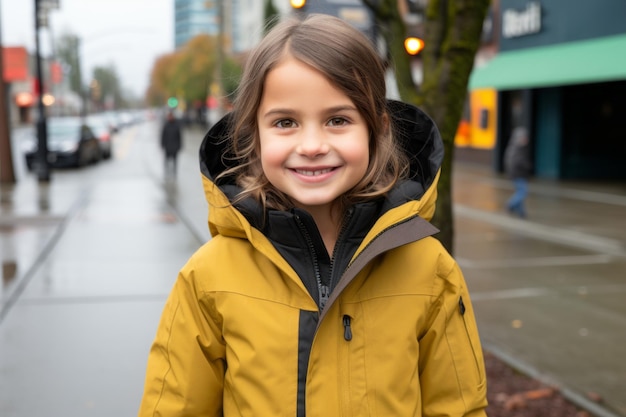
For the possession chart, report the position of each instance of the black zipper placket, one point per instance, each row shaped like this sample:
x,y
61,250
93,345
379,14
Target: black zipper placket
x,y
322,289
342,232
382,232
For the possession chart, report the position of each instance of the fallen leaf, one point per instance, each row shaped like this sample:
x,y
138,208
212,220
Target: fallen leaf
x,y
594,396
539,393
515,402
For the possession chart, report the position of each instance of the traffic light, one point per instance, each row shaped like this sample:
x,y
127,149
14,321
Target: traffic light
x,y
297,4
413,45
172,102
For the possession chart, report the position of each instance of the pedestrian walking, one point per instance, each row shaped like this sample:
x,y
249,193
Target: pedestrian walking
x,y
171,143
322,291
518,166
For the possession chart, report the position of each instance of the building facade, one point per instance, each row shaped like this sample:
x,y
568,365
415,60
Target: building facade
x,y
352,11
560,70
239,22
194,17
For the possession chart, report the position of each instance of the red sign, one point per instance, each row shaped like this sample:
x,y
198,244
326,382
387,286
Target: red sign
x,y
15,62
56,72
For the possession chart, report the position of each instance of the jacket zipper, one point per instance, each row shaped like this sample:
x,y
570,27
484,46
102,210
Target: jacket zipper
x,y
347,330
462,309
323,290
370,243
342,232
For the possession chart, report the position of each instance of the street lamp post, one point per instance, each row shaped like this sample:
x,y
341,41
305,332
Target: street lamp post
x,y
7,173
43,168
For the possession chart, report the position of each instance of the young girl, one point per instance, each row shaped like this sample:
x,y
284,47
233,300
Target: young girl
x,y
322,292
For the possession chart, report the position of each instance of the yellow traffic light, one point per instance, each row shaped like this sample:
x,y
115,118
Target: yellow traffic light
x,y
297,4
413,45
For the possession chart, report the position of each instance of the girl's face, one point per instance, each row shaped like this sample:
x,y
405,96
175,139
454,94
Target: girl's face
x,y
314,141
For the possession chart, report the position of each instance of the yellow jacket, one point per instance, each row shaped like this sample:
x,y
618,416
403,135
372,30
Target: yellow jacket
x,y
243,332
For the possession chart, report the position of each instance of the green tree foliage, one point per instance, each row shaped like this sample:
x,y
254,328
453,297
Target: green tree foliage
x,y
162,81
270,15
187,73
196,67
67,49
109,92
231,75
452,30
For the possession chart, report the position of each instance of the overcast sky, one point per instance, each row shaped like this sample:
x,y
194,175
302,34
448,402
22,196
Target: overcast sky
x,y
130,34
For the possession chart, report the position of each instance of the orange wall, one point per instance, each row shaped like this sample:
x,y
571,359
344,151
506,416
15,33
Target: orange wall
x,y
15,62
479,129
483,118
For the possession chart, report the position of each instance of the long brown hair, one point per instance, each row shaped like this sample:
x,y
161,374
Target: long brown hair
x,y
348,59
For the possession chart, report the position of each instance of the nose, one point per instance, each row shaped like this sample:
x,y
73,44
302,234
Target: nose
x,y
313,143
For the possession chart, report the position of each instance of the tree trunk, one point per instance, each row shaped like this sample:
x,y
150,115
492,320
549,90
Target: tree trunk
x,y
452,35
454,28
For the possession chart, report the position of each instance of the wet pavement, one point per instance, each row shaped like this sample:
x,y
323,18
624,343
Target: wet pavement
x,y
88,260
549,291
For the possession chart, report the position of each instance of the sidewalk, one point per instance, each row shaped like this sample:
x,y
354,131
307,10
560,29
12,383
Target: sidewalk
x,y
548,291
85,276
89,260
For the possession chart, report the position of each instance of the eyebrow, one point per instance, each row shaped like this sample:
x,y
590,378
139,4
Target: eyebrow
x,y
330,110
276,112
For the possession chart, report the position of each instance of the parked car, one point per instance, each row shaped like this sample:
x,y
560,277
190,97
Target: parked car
x,y
71,143
113,119
104,132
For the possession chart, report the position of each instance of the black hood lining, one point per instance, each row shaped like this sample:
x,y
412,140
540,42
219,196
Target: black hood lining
x,y
414,130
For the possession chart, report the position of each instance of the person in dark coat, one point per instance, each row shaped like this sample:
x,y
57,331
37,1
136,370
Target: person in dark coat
x,y
518,167
171,143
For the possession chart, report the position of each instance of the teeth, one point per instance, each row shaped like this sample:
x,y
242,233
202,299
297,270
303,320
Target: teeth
x,y
313,173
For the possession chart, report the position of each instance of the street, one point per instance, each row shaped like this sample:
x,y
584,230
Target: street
x,y
95,256
89,259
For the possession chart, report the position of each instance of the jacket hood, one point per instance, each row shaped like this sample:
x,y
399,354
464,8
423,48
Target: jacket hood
x,y
415,131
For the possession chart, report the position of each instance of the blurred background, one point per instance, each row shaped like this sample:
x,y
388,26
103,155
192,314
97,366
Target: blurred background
x,y
92,233
545,65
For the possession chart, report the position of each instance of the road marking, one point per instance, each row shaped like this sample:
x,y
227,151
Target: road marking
x,y
123,142
507,294
535,262
544,232
11,221
528,292
555,191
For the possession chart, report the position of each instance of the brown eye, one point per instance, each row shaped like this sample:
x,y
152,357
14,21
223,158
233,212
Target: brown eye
x,y
337,121
285,124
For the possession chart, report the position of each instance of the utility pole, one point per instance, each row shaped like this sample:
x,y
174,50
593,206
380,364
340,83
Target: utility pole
x,y
217,85
7,173
42,166
220,54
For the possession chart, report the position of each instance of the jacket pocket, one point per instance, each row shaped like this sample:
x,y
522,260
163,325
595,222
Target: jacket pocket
x,y
351,369
471,332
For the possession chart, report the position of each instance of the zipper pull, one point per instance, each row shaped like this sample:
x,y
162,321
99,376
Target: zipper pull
x,y
347,331
324,294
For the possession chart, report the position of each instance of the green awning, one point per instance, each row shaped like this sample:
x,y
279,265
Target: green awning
x,y
583,62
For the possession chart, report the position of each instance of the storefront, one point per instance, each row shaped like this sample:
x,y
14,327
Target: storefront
x,y
560,71
16,75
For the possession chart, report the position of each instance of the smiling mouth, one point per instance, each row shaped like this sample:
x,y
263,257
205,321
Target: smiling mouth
x,y
313,173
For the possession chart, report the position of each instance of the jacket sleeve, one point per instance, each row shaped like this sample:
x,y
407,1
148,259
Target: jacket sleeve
x,y
185,370
452,370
